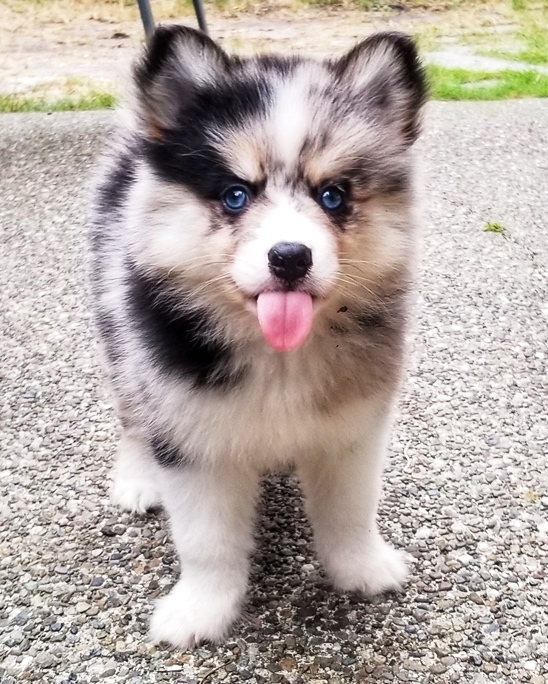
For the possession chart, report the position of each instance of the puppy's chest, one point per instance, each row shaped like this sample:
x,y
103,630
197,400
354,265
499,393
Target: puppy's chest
x,y
314,380
282,405
282,384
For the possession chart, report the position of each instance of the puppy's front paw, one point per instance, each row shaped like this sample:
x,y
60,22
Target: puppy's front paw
x,y
134,493
376,569
192,613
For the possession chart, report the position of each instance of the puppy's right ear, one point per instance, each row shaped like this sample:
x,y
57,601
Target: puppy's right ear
x,y
178,62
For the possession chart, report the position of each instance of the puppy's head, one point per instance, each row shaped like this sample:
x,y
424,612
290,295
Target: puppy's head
x,y
276,187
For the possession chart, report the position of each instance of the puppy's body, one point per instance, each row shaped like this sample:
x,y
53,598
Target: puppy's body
x,y
252,260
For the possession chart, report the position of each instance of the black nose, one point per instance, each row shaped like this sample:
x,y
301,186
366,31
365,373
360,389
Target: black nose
x,y
289,261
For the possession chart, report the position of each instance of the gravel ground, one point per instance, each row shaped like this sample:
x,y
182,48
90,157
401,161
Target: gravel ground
x,y
466,486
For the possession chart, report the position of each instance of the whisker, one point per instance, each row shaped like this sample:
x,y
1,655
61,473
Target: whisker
x,y
356,296
217,259
202,260
208,283
362,278
200,154
358,265
350,280
343,260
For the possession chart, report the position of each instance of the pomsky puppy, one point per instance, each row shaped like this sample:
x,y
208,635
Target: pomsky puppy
x,y
253,256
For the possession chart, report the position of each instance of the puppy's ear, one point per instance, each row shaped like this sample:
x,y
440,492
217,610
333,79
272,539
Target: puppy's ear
x,y
178,62
385,72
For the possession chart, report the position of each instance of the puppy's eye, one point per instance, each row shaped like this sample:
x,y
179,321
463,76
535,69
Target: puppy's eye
x,y
235,199
332,199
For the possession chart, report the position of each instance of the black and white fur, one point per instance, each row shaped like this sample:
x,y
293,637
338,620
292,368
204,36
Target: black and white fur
x,y
206,406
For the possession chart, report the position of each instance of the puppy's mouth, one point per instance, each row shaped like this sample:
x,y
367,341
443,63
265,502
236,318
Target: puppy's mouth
x,y
285,317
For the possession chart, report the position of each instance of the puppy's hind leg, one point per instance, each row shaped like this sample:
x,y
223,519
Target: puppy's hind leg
x,y
135,475
342,492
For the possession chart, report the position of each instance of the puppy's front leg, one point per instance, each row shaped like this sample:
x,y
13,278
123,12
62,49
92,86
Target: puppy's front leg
x,y
211,511
342,492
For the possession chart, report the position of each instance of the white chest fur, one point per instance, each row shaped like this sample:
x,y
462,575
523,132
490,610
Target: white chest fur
x,y
287,407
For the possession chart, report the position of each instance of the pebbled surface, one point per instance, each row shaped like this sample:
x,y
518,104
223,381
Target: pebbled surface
x,y
466,487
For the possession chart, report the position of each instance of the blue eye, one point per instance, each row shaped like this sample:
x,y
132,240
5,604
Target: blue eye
x,y
332,198
235,198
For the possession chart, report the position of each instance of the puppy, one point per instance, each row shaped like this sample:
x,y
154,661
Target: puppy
x,y
253,256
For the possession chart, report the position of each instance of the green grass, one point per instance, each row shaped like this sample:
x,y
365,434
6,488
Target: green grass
x,y
535,50
535,37
460,84
494,228
10,103
530,35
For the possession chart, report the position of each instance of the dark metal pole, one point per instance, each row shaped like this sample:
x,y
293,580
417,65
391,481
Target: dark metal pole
x,y
200,15
146,17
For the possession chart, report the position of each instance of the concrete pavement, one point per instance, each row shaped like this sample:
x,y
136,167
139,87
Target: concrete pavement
x,y
466,485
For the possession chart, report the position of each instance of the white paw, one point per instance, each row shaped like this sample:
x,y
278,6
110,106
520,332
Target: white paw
x,y
135,494
192,613
377,569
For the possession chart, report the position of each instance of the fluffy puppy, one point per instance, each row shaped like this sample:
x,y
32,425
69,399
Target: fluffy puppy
x,y
252,260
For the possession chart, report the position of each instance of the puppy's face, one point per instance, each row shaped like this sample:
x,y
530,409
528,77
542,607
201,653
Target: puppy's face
x,y
275,186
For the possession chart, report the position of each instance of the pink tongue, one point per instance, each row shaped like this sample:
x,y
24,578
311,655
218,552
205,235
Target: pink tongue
x,y
285,318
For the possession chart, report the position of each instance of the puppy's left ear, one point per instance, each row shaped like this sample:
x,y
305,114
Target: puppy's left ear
x,y
386,73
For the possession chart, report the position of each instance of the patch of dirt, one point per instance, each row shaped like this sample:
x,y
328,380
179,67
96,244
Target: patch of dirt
x,y
40,49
